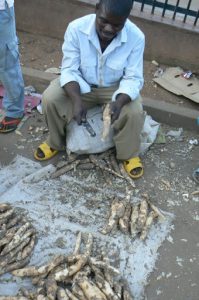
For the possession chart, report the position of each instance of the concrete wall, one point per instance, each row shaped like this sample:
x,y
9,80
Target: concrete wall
x,y
172,45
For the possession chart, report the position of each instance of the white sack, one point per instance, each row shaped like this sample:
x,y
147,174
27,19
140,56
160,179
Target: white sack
x,y
79,140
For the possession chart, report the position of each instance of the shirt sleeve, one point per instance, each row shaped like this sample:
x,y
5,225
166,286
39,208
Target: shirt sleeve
x,y
71,61
132,81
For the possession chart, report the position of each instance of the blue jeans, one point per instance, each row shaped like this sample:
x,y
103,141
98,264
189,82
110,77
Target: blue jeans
x,y
10,70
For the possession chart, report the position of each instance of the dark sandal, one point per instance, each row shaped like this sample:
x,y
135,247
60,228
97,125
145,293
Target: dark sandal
x,y
9,124
195,175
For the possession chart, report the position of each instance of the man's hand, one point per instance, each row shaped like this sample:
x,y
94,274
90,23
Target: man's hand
x,y
72,89
80,112
115,109
117,105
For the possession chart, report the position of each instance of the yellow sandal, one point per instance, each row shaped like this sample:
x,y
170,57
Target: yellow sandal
x,y
47,151
131,165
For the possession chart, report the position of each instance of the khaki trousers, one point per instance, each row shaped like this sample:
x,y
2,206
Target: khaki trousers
x,y
58,111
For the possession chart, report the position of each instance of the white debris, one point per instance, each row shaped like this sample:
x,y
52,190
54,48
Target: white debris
x,y
158,73
172,165
175,133
154,62
193,142
195,199
194,284
185,197
18,132
56,71
158,292
39,108
170,239
161,276
179,261
21,147
196,217
172,203
28,90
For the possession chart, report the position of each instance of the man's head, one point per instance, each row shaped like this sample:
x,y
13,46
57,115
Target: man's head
x,y
111,16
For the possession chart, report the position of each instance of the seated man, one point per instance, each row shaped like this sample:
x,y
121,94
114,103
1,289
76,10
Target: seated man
x,y
102,62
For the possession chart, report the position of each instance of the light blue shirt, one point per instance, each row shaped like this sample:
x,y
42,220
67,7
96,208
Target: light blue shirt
x,y
120,64
3,3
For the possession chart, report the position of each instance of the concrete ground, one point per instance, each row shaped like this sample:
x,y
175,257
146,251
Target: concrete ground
x,y
167,178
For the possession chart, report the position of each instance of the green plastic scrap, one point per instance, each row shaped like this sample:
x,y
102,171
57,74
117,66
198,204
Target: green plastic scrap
x,y
160,139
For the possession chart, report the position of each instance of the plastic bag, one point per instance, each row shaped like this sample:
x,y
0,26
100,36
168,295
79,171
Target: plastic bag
x,y
81,142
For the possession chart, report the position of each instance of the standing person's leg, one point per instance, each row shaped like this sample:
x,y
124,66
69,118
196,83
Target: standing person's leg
x,y
10,72
13,101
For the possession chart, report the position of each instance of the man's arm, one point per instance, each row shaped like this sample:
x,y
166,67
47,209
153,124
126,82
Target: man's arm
x,y
71,79
132,80
72,89
117,105
71,61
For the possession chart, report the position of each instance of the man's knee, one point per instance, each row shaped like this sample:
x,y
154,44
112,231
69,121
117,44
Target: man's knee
x,y
133,109
49,98
53,93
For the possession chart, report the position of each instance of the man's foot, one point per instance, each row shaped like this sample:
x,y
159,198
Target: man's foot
x,y
134,167
9,124
44,152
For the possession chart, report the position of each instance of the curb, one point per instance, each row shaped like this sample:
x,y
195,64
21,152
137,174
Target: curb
x,y
161,111
39,79
172,114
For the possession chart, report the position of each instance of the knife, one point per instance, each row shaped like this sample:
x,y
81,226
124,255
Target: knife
x,y
89,128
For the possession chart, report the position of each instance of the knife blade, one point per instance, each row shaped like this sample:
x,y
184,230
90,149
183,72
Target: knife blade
x,y
89,128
